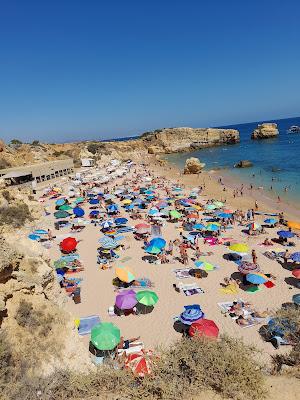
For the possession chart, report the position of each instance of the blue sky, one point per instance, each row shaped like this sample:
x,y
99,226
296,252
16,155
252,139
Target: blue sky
x,y
72,70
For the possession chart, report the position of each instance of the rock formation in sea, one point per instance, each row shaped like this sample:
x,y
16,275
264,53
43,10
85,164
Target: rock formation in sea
x,y
265,131
243,164
193,166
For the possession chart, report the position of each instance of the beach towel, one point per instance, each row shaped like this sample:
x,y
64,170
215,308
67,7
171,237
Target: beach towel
x,y
189,289
230,289
182,273
124,229
226,307
191,292
87,323
269,284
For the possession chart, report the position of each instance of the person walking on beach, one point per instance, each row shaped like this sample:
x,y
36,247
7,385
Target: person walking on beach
x,y
256,205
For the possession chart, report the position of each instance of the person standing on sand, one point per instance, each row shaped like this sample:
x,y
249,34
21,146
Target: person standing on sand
x,y
256,205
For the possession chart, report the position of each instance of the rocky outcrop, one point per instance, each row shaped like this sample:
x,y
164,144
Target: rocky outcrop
x,y
193,166
243,164
265,131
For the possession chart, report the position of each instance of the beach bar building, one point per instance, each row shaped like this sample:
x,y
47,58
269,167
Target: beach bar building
x,y
37,172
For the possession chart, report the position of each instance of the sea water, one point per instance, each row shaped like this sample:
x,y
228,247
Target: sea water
x,y
276,161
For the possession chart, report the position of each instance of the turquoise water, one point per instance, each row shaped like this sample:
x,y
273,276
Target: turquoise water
x,y
277,159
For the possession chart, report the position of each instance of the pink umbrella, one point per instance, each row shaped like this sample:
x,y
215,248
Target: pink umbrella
x,y
142,228
126,300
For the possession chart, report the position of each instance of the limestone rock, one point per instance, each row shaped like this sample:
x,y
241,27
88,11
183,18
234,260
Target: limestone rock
x,y
2,146
265,131
154,150
193,166
243,164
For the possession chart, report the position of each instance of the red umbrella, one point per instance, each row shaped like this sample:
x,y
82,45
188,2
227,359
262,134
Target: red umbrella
x,y
68,244
296,273
192,216
204,327
139,363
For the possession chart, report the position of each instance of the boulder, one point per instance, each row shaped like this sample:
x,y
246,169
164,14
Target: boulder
x,y
243,164
265,131
154,150
2,146
193,166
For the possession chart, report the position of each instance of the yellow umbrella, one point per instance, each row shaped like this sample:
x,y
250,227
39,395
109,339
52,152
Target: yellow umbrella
x,y
126,201
125,274
196,207
239,247
293,224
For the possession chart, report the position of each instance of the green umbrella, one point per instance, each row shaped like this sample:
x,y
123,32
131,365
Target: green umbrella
x,y
61,214
65,207
210,206
105,336
175,214
147,297
79,200
218,204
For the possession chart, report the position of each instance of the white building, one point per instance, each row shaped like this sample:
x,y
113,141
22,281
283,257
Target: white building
x,y
87,162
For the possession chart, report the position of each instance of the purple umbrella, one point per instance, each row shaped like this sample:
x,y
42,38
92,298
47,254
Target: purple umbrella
x,y
126,300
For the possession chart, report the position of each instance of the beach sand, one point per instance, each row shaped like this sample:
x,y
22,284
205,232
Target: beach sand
x,y
156,329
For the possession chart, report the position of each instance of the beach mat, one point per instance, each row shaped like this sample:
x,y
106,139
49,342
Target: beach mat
x,y
87,323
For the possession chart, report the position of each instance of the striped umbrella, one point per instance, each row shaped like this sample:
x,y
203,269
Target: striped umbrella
x,y
248,267
125,274
191,314
139,363
254,226
256,278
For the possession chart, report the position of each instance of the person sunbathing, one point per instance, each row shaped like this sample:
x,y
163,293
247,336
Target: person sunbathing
x,y
242,321
267,242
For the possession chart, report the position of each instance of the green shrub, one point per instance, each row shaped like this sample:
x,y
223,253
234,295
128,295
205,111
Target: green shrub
x,y
35,143
15,141
6,194
15,216
94,147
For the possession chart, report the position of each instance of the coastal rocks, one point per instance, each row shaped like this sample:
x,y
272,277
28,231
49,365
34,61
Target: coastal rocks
x,y
154,150
2,146
243,164
193,166
265,131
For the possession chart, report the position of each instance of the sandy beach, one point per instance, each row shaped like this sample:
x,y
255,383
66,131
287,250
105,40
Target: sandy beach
x,y
156,329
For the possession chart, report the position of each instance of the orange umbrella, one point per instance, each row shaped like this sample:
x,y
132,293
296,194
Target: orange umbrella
x,y
139,363
293,224
192,216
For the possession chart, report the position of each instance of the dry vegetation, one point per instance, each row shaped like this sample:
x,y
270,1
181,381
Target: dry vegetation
x,y
186,369
15,215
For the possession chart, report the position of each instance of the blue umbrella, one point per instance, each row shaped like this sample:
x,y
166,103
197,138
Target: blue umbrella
x,y
94,213
296,256
79,212
112,208
177,189
94,201
151,249
153,211
285,234
296,298
158,242
149,192
108,243
40,232
198,226
271,221
60,202
191,314
34,237
106,224
224,215
255,279
121,221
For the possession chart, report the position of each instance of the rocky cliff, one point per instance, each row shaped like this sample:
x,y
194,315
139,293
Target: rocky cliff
x,y
167,140
265,131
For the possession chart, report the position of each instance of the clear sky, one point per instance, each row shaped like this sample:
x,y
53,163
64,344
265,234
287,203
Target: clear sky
x,y
72,70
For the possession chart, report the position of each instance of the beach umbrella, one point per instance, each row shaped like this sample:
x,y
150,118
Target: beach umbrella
x,y
125,274
65,207
126,300
60,202
147,297
112,208
32,236
108,196
142,228
126,202
248,267
68,244
177,189
192,216
296,273
108,243
175,214
296,298
206,266
151,249
191,313
218,204
199,227
204,327
106,224
153,211
105,336
61,214
158,242
296,256
212,227
79,212
285,234
271,221
293,224
254,226
79,200
256,278
94,201
139,363
224,215
162,204
195,207
210,207
121,221
239,248
93,213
